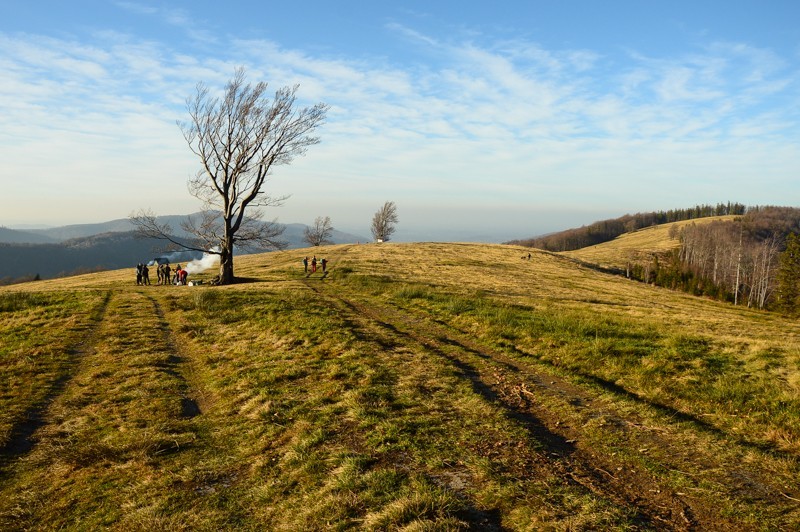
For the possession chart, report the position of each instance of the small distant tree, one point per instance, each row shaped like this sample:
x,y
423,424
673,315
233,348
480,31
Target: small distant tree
x,y
384,221
320,233
788,277
239,138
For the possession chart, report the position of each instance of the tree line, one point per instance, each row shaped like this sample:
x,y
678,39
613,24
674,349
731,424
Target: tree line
x,y
607,230
749,261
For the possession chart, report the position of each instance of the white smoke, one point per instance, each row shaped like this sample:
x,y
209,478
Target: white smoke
x,y
208,260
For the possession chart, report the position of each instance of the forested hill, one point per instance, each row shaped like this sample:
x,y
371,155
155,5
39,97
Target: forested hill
x,y
742,259
606,230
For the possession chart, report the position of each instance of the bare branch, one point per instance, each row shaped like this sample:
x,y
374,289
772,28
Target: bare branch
x,y
147,226
239,138
384,221
319,233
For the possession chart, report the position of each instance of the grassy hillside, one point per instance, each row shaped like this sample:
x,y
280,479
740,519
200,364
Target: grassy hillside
x,y
632,247
412,386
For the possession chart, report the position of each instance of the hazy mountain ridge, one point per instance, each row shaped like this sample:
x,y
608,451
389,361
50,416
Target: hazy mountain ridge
x,y
18,236
108,245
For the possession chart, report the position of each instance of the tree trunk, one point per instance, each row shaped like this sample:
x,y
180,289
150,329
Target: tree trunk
x,y
226,262
738,270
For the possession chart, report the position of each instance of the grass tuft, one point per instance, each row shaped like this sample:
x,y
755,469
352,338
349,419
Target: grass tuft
x,y
16,301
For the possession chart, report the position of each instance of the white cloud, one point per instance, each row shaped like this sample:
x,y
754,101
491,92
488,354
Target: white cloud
x,y
511,124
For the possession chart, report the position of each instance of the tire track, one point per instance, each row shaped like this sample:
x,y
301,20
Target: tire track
x,y
178,365
518,388
23,439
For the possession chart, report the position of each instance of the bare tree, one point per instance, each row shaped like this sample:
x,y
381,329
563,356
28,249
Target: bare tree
x,y
384,221
238,138
319,233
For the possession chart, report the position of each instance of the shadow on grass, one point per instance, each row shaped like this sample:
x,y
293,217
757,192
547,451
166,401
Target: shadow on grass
x,y
246,280
551,442
668,411
172,365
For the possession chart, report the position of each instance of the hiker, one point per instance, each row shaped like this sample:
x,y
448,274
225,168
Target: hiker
x,y
324,264
166,273
177,275
183,276
145,274
314,264
305,264
139,274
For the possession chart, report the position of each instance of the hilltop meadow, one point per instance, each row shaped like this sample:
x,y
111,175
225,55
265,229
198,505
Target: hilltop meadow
x,y
429,386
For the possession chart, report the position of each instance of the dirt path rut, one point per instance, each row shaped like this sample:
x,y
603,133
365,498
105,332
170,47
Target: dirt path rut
x,y
537,399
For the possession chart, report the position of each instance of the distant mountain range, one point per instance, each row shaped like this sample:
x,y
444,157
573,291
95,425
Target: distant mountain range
x,y
71,249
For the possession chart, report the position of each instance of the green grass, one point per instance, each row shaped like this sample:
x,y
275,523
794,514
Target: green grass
x,y
692,373
40,335
460,388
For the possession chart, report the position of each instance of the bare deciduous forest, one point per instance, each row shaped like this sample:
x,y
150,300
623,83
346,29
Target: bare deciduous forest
x,y
734,261
606,230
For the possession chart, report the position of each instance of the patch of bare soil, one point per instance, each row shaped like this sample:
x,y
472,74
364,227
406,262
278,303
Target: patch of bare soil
x,y
557,445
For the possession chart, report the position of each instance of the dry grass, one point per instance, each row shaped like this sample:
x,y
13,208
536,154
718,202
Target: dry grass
x,y
382,396
637,246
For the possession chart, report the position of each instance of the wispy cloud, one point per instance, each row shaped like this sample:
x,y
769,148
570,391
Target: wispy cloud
x,y
503,122
177,18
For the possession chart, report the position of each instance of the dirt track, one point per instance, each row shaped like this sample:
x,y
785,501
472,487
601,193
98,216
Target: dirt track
x,y
22,435
537,399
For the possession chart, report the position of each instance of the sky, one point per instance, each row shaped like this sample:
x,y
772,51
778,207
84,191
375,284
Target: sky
x,y
482,121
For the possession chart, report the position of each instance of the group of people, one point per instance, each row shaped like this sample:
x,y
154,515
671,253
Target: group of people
x,y
322,262
163,271
142,274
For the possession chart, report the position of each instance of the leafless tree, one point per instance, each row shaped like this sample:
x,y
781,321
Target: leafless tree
x,y
238,138
319,233
384,221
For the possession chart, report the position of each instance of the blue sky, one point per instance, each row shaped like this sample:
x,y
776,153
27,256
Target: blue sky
x,y
480,120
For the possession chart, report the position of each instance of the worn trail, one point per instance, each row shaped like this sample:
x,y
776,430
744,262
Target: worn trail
x,y
537,399
23,435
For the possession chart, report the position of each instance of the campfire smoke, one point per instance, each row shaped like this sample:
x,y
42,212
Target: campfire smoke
x,y
208,260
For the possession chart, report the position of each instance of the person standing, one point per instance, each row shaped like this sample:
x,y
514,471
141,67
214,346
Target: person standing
x,y
324,264
314,264
145,274
305,264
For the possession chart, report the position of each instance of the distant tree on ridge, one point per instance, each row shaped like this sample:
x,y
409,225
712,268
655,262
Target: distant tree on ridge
x,y
319,233
384,221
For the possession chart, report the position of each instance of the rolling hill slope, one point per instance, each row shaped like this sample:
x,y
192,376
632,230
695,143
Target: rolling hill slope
x,y
410,386
630,247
